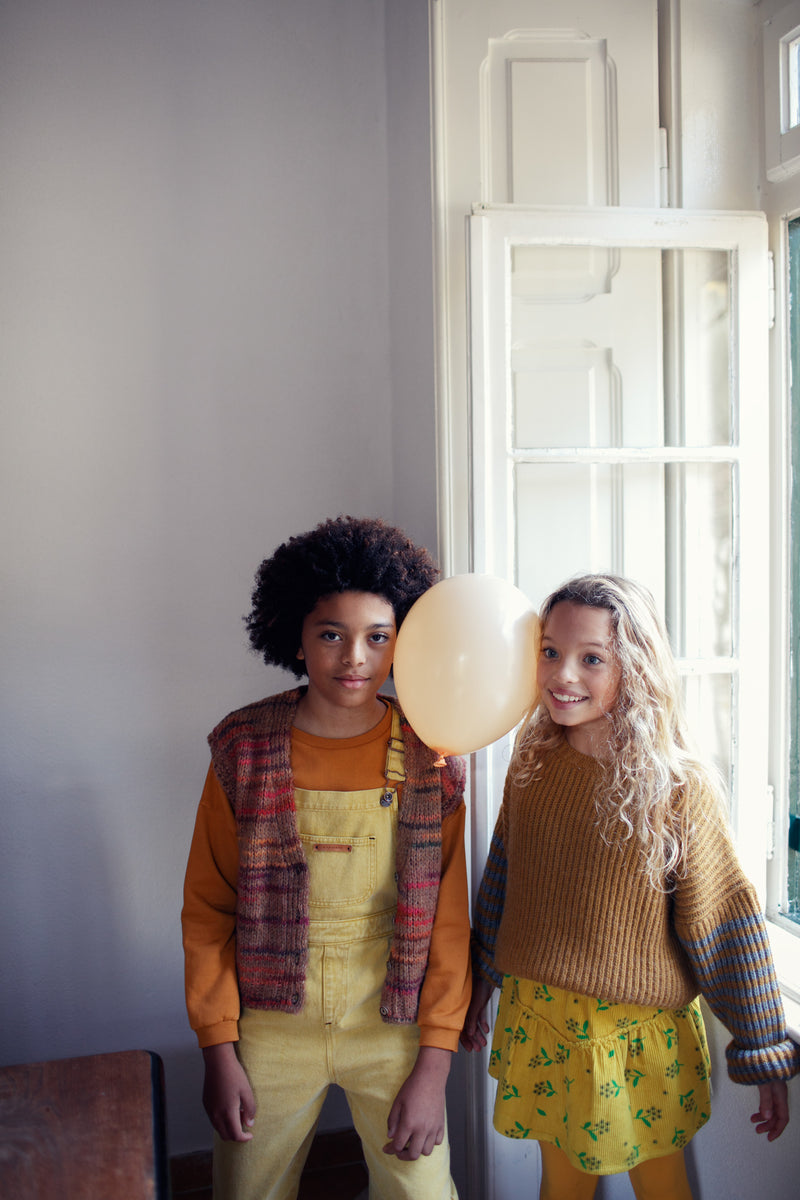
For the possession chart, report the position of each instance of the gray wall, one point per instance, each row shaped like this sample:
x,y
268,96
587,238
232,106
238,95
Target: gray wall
x,y
215,332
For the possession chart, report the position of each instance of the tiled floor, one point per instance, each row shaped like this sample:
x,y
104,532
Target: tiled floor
x,y
335,1167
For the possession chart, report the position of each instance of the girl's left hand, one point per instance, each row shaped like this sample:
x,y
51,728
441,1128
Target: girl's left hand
x,y
476,1027
773,1109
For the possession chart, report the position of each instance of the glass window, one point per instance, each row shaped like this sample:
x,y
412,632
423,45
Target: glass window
x,y
793,871
582,376
781,42
793,57
619,391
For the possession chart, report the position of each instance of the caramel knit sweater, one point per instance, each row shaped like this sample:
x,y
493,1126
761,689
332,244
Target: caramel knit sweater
x,y
561,906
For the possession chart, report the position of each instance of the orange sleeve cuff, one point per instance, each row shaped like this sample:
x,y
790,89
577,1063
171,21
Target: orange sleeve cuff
x,y
445,994
209,919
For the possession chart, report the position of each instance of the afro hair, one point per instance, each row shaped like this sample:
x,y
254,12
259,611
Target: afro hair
x,y
342,554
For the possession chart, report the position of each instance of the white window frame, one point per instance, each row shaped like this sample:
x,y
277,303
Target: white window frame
x,y
784,935
492,230
781,193
781,140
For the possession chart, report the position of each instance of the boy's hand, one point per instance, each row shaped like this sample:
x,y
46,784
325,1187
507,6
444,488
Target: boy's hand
x,y
416,1119
773,1109
476,1027
227,1096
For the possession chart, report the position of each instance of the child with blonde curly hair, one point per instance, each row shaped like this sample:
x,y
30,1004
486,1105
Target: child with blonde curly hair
x,y
611,899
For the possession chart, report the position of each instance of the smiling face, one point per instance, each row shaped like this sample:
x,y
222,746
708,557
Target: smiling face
x,y
578,674
347,645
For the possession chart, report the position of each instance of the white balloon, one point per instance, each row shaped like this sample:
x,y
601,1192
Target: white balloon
x,y
465,662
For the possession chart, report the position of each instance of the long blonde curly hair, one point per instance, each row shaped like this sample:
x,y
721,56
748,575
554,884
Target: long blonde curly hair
x,y
652,768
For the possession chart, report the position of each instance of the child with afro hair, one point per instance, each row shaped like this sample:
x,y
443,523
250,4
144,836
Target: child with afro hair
x,y
325,919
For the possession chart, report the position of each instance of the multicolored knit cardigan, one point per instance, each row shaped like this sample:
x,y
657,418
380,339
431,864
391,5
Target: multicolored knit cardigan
x,y
251,752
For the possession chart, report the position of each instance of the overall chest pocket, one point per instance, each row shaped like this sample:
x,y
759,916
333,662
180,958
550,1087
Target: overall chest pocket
x,y
342,870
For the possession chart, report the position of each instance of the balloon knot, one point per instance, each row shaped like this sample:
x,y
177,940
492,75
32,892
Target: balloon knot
x,y
441,761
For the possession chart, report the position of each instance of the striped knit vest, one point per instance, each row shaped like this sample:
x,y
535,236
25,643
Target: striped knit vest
x,y
251,752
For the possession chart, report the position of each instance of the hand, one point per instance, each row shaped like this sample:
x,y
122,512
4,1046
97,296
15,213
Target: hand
x,y
773,1109
416,1119
227,1096
476,1027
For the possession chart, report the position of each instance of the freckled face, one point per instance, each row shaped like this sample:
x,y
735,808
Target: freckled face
x,y
578,674
347,645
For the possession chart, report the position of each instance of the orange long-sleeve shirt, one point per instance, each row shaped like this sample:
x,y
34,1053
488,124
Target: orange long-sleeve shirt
x,y
209,912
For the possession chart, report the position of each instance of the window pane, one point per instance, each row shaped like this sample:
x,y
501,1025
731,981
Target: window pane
x,y
794,103
647,520
702,557
702,402
587,326
709,710
793,911
794,564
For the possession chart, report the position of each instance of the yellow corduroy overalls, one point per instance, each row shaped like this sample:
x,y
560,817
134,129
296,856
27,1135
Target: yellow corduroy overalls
x,y
338,1037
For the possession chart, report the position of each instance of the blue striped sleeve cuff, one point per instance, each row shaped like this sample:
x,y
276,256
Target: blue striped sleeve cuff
x,y
489,911
733,965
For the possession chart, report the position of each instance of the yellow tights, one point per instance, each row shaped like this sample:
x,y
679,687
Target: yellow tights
x,y
657,1179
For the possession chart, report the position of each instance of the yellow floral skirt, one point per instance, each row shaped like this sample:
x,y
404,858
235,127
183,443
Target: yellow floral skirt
x,y
611,1084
